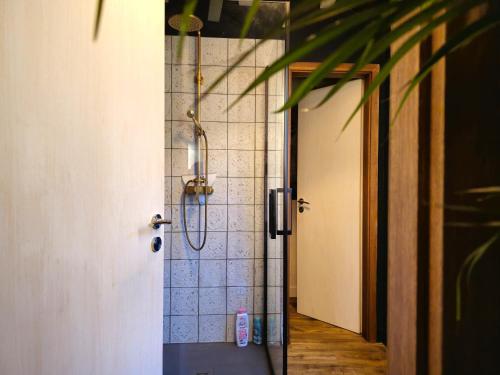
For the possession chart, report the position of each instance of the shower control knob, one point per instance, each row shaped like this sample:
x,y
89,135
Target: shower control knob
x,y
156,221
156,244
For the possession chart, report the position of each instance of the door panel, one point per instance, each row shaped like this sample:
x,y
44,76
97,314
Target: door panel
x,y
81,161
329,179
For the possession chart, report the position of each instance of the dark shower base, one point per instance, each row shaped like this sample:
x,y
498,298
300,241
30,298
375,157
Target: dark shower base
x,y
214,359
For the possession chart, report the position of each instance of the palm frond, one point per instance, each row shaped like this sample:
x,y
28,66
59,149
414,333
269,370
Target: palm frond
x,y
467,267
252,11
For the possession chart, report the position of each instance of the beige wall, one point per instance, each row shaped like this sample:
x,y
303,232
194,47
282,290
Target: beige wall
x,y
81,161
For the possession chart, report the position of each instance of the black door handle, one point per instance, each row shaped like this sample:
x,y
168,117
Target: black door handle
x,y
302,201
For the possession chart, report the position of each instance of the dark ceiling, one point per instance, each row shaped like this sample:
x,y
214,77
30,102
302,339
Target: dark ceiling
x,y
269,14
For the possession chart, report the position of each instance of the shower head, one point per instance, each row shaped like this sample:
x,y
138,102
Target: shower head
x,y
191,114
193,23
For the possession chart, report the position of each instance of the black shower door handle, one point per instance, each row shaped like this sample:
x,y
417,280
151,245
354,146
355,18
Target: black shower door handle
x,y
273,212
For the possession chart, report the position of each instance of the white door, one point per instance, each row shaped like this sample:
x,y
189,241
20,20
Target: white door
x,y
81,166
329,177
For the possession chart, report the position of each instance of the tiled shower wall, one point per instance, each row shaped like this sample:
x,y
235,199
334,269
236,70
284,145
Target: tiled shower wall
x,y
203,290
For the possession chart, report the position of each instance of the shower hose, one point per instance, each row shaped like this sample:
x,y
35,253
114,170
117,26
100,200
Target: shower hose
x,y
195,181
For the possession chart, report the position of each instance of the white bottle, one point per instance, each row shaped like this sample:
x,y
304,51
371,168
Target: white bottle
x,y
241,327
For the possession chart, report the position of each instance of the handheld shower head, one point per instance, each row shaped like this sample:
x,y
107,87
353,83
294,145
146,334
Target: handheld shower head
x,y
191,114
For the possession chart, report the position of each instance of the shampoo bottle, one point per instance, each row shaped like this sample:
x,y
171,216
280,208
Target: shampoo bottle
x,y
241,328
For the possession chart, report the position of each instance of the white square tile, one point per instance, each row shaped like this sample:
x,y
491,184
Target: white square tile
x,y
258,303
181,104
167,240
260,163
217,218
267,53
241,163
212,273
241,190
210,74
241,218
239,79
241,135
212,328
215,247
184,162
183,135
184,329
214,51
274,328
184,273
168,190
168,134
276,83
183,79
166,273
259,272
166,301
184,301
168,162
217,162
188,53
168,49
216,134
240,245
259,190
212,301
168,78
259,245
181,248
260,136
168,106
242,110
240,272
193,220
214,108
166,329
280,135
275,103
259,217
260,109
167,213
237,48
239,297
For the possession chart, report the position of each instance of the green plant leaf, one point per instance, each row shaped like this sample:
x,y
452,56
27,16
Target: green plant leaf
x,y
386,19
467,267
456,41
382,44
252,11
481,190
451,13
322,38
98,18
188,10
309,18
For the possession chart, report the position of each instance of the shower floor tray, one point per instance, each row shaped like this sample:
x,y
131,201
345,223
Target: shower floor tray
x,y
214,359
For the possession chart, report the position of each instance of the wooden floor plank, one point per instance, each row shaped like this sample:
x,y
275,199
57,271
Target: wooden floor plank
x,y
319,348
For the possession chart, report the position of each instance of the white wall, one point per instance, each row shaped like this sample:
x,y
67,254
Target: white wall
x,y
80,176
203,290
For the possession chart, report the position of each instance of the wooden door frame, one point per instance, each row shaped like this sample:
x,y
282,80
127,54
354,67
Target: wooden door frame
x,y
370,186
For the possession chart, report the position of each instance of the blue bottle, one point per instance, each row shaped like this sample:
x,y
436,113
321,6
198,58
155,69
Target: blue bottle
x,y
257,330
